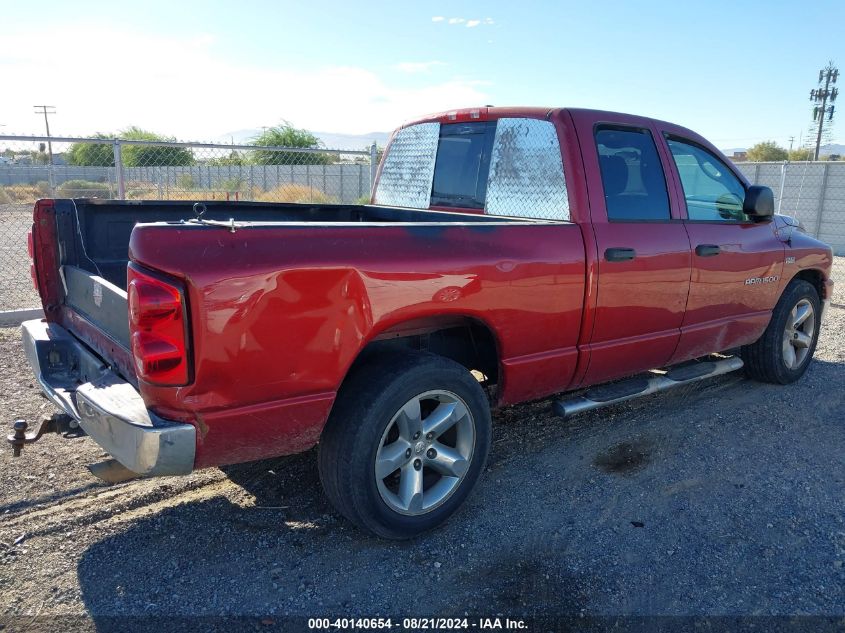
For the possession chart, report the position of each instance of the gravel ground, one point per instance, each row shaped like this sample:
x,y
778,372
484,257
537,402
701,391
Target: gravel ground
x,y
725,499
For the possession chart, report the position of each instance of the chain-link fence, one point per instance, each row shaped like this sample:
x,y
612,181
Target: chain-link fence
x,y
38,167
41,167
813,192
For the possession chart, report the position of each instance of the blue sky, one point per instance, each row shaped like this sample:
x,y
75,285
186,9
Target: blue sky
x,y
737,72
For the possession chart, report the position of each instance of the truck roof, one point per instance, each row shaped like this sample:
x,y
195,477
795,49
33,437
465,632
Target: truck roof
x,y
487,113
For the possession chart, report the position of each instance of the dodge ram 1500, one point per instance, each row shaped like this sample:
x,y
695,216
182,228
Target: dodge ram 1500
x,y
509,254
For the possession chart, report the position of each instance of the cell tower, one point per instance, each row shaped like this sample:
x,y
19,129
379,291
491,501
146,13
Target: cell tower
x,y
823,97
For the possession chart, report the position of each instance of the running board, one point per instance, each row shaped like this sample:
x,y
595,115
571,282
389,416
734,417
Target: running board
x,y
614,393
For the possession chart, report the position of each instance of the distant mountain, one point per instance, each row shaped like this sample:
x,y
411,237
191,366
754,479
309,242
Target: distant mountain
x,y
330,139
824,150
832,148
353,141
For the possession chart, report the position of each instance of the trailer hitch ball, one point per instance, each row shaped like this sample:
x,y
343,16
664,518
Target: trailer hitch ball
x,y
57,423
18,438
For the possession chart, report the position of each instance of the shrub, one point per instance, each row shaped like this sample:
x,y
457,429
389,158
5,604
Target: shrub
x,y
4,197
83,189
186,181
22,193
231,184
295,193
43,187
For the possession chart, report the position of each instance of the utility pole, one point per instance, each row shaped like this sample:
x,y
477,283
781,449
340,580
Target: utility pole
x,y
821,97
45,110
791,138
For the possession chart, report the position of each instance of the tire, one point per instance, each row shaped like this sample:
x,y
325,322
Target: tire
x,y
374,427
783,353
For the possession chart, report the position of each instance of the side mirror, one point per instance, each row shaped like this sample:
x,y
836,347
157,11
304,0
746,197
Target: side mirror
x,y
759,202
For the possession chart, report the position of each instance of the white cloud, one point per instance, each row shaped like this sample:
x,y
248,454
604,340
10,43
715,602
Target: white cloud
x,y
468,23
183,87
417,67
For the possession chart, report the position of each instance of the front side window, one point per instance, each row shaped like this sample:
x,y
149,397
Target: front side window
x,y
711,190
632,176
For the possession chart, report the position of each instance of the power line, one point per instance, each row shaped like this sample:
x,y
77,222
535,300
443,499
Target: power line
x,y
45,110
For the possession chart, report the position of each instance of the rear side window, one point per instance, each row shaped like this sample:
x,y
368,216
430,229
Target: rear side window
x,y
510,167
526,171
405,179
632,176
712,192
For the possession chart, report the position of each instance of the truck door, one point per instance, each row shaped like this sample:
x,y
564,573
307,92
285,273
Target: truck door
x,y
736,262
642,249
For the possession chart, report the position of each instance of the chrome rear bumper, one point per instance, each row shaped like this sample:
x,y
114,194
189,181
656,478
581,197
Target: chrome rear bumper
x,y
108,408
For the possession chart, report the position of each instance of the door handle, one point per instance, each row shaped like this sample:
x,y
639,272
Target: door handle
x,y
619,254
707,250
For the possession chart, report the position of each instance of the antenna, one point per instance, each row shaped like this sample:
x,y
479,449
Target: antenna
x,y
823,98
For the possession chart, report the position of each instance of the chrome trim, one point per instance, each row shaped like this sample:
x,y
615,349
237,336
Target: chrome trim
x,y
107,407
660,382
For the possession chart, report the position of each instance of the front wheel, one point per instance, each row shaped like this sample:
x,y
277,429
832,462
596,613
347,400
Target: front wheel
x,y
783,353
405,444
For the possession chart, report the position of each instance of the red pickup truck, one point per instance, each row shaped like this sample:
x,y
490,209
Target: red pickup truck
x,y
510,254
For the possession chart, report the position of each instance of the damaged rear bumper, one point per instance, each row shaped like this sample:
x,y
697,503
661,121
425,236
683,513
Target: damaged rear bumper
x,y
108,408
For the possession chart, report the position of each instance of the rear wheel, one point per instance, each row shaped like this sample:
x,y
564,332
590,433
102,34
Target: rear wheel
x,y
405,444
783,353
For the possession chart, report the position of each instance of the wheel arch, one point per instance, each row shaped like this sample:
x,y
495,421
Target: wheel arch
x,y
815,277
467,340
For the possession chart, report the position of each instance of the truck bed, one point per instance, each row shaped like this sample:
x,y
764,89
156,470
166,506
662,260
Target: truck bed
x,y
281,299
94,237
95,233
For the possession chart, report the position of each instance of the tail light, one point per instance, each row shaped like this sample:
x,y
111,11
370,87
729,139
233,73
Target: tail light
x,y
30,249
158,326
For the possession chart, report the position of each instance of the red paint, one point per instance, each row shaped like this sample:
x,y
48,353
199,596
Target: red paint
x,y
277,315
272,324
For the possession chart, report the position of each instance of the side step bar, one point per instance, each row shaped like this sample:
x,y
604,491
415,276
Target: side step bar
x,y
614,393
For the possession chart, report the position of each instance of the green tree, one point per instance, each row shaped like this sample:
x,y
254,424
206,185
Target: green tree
x,y
800,154
285,135
234,158
94,154
767,151
152,155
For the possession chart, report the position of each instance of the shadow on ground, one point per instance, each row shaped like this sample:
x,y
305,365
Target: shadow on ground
x,y
727,501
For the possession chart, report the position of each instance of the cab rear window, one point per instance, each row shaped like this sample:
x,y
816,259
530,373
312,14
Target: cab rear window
x,y
462,165
510,167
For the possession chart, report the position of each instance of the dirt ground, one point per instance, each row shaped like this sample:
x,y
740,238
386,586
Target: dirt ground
x,y
726,499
